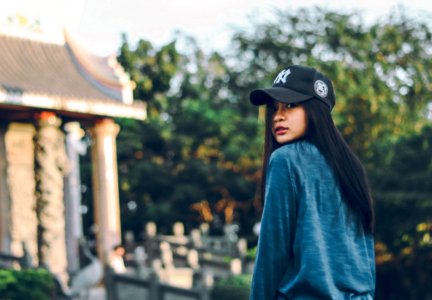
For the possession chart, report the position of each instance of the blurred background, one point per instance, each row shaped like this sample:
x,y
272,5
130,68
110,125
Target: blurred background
x,y
196,158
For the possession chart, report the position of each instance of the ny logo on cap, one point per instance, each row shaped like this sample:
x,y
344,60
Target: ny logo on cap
x,y
282,76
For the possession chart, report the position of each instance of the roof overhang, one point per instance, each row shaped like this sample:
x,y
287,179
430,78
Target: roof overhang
x,y
93,107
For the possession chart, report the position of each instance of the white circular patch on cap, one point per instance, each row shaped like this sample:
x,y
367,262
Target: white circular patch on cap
x,y
321,88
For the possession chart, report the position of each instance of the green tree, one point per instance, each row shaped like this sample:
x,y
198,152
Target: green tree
x,y
143,150
195,158
405,195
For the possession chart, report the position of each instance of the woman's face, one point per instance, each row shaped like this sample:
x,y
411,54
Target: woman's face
x,y
289,122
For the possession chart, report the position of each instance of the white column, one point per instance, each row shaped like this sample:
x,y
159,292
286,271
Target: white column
x,y
72,194
105,186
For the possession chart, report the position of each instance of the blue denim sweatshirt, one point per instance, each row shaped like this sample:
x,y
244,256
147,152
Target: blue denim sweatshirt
x,y
310,246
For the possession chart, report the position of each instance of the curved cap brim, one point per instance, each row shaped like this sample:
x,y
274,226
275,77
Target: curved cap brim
x,y
263,96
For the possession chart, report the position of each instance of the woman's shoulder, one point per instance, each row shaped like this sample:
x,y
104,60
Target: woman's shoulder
x,y
298,155
295,150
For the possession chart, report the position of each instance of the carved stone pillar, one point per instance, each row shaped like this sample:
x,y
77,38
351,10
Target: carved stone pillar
x,y
21,186
51,164
72,194
105,186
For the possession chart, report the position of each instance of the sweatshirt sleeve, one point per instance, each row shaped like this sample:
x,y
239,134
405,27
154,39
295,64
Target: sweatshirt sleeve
x,y
274,252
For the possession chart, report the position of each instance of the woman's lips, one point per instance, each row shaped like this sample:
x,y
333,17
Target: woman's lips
x,y
280,130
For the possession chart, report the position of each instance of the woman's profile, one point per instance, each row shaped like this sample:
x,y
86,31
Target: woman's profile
x,y
316,235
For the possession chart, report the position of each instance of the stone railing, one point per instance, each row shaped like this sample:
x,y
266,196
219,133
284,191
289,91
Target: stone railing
x,y
131,286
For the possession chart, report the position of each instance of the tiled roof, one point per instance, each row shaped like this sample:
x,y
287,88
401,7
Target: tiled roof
x,y
63,77
42,68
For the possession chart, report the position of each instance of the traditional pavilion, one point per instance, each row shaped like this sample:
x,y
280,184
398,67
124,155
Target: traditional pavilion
x,y
49,92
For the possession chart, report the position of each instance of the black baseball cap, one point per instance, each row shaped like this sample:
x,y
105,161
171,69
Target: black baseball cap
x,y
296,84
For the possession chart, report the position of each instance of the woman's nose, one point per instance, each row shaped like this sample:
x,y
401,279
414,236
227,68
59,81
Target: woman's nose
x,y
278,116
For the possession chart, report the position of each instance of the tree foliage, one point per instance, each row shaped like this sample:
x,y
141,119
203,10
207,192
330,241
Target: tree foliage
x,y
194,159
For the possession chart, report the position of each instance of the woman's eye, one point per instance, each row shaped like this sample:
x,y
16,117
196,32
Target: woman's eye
x,y
273,107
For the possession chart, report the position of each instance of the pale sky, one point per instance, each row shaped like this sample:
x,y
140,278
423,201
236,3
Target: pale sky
x,y
99,23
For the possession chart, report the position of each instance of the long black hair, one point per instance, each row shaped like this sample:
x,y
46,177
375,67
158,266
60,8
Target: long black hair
x,y
349,172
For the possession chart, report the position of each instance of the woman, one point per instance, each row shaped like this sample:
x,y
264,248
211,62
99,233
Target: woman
x,y
316,236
